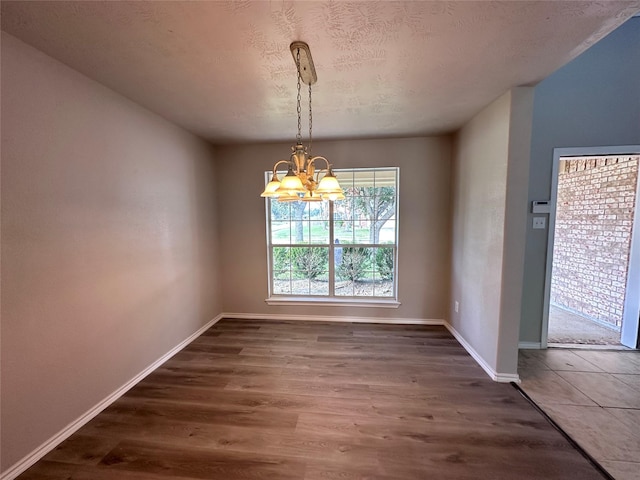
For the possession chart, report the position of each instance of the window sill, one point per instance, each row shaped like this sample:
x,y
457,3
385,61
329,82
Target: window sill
x,y
333,302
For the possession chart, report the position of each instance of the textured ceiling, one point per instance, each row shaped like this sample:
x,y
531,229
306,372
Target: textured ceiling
x,y
223,70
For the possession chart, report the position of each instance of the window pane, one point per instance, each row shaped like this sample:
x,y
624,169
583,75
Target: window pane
x,y
323,277
299,232
345,179
282,275
280,232
388,232
383,289
319,231
384,263
282,283
385,203
320,286
385,178
343,231
319,211
362,232
279,210
353,260
300,286
342,209
299,211
281,288
343,288
310,262
343,221
384,272
357,274
359,207
365,191
282,259
363,179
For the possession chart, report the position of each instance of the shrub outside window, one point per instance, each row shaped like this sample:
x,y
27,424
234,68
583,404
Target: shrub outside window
x,y
343,249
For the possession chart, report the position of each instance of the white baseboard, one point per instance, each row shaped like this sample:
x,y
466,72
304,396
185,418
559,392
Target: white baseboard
x,y
529,345
70,429
328,318
496,376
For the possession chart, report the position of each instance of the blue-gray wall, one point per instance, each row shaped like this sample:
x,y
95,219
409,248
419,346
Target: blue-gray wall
x,y
592,101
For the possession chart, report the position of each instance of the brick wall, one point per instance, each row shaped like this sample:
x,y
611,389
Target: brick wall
x,y
594,217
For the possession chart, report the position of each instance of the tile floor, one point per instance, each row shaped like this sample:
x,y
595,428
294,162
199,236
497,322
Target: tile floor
x,y
594,395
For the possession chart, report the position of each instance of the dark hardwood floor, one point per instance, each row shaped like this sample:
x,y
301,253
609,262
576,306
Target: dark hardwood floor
x,y
308,400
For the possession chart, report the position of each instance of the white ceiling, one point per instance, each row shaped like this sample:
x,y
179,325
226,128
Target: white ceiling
x,y
223,69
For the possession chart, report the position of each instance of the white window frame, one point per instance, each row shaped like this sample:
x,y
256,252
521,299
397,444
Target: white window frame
x,y
331,299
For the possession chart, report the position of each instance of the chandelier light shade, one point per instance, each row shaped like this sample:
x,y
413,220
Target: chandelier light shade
x,y
272,187
304,181
329,184
291,184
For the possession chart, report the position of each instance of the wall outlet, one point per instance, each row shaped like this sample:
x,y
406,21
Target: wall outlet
x,y
456,306
539,222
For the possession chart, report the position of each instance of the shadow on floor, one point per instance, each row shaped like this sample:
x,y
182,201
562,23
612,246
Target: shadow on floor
x,y
569,328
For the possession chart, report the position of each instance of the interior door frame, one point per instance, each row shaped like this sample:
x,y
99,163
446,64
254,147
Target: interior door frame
x,y
630,321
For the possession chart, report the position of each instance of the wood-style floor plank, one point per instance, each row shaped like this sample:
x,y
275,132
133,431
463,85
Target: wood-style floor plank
x,y
254,399
202,463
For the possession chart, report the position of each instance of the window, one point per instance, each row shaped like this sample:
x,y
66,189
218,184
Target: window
x,y
337,250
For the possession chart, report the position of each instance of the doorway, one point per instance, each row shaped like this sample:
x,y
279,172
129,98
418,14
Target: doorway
x,y
592,288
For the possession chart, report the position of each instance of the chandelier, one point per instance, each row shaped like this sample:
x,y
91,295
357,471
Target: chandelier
x,y
302,181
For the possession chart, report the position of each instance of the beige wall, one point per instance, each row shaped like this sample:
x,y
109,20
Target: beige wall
x,y
424,216
489,210
516,227
108,244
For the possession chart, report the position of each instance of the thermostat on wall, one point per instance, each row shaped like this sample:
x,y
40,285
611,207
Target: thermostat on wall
x,y
541,207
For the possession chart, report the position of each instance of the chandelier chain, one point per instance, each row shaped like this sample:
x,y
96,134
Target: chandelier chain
x,y
299,135
310,122
307,179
